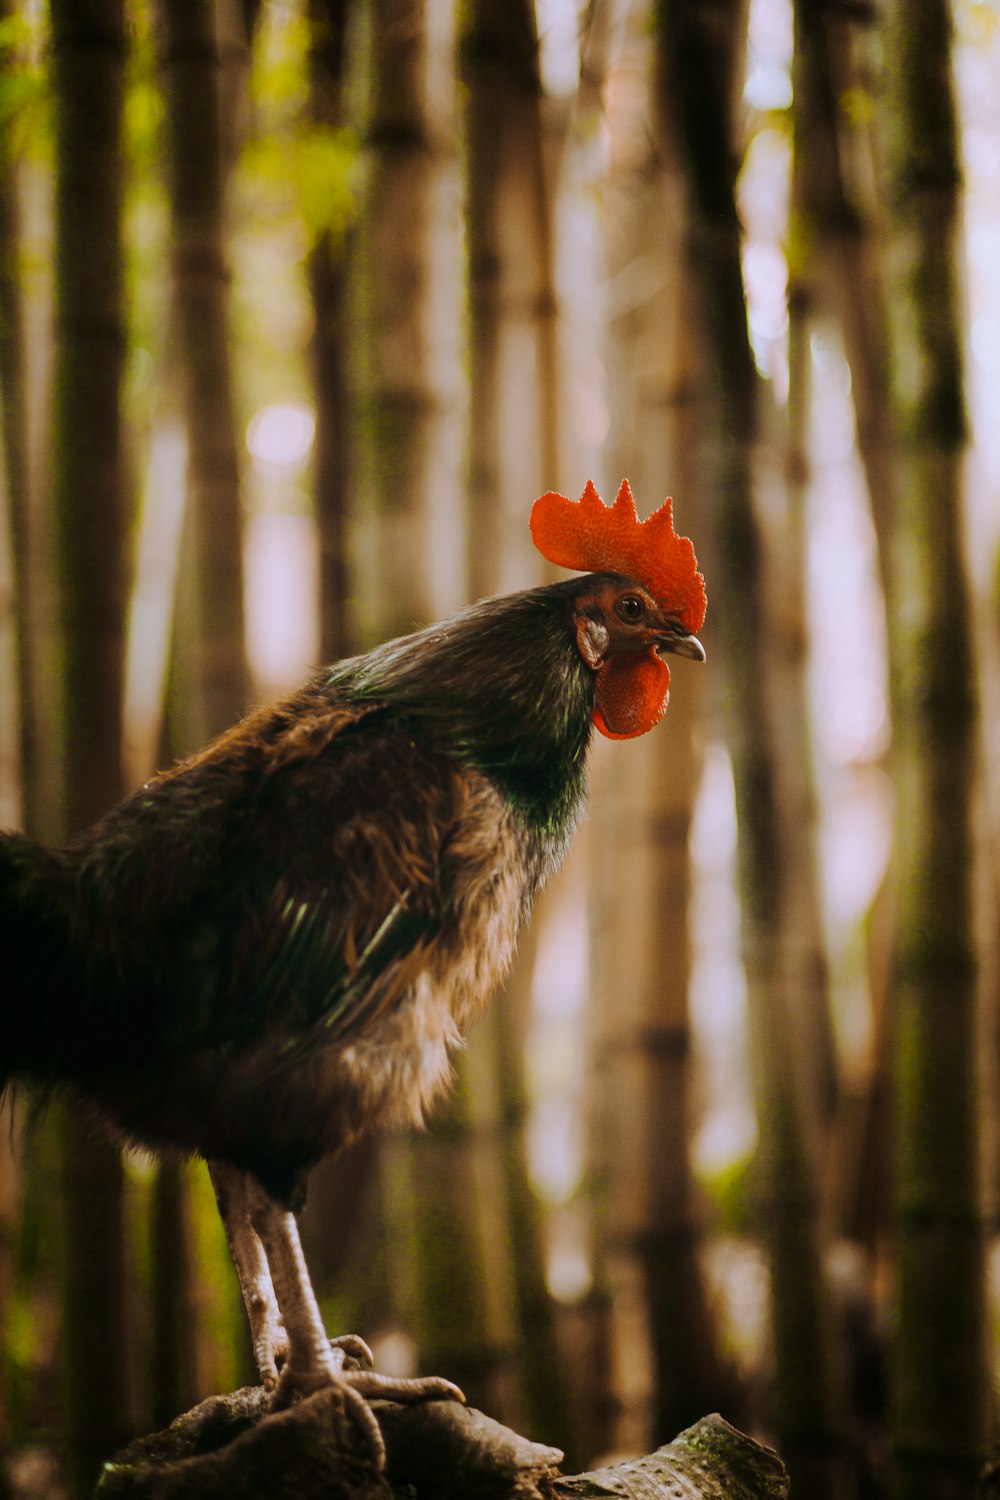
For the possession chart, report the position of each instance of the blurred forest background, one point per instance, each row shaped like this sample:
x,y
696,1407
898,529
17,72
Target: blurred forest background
x,y
302,302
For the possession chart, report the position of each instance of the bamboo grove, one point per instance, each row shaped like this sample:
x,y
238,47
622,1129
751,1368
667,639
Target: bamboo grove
x,y
302,302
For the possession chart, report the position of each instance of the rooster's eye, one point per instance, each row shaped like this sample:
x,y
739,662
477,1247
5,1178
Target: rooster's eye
x,y
631,607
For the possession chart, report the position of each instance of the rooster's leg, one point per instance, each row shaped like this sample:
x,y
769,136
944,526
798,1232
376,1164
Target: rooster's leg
x,y
270,1341
313,1362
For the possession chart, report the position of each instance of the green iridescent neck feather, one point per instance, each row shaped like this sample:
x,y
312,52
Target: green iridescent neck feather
x,y
501,687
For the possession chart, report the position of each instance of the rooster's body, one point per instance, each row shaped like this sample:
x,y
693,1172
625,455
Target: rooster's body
x,y
273,946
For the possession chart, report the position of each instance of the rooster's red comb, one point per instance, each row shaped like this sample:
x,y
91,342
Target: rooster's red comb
x,y
596,538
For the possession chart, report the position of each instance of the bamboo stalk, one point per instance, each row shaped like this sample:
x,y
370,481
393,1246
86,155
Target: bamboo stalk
x,y
207,684
449,1267
940,1423
88,493
410,392
643,808
697,72
513,388
329,281
208,669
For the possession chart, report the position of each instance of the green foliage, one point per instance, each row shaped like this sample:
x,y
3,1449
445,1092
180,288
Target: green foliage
x,y
307,170
24,85
859,106
220,1306
731,1191
143,102
145,210
293,164
33,1311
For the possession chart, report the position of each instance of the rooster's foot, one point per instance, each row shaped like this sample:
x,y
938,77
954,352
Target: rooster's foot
x,y
314,1362
270,1350
271,1354
347,1367
356,1353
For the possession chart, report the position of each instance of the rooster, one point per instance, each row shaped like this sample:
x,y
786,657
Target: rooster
x,y
273,947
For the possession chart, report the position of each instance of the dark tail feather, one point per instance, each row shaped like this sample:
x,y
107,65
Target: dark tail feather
x,y
34,950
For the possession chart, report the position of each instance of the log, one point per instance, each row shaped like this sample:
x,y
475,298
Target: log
x,y
440,1449
709,1461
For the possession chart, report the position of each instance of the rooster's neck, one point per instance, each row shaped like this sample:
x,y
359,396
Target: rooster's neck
x,y
501,686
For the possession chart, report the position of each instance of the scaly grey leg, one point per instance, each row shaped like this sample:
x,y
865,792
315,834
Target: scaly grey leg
x,y
270,1341
312,1361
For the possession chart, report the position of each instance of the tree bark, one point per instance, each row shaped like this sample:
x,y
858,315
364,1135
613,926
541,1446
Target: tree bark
x,y
940,1421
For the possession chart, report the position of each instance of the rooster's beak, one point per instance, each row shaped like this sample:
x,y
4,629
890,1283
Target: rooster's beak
x,y
682,645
